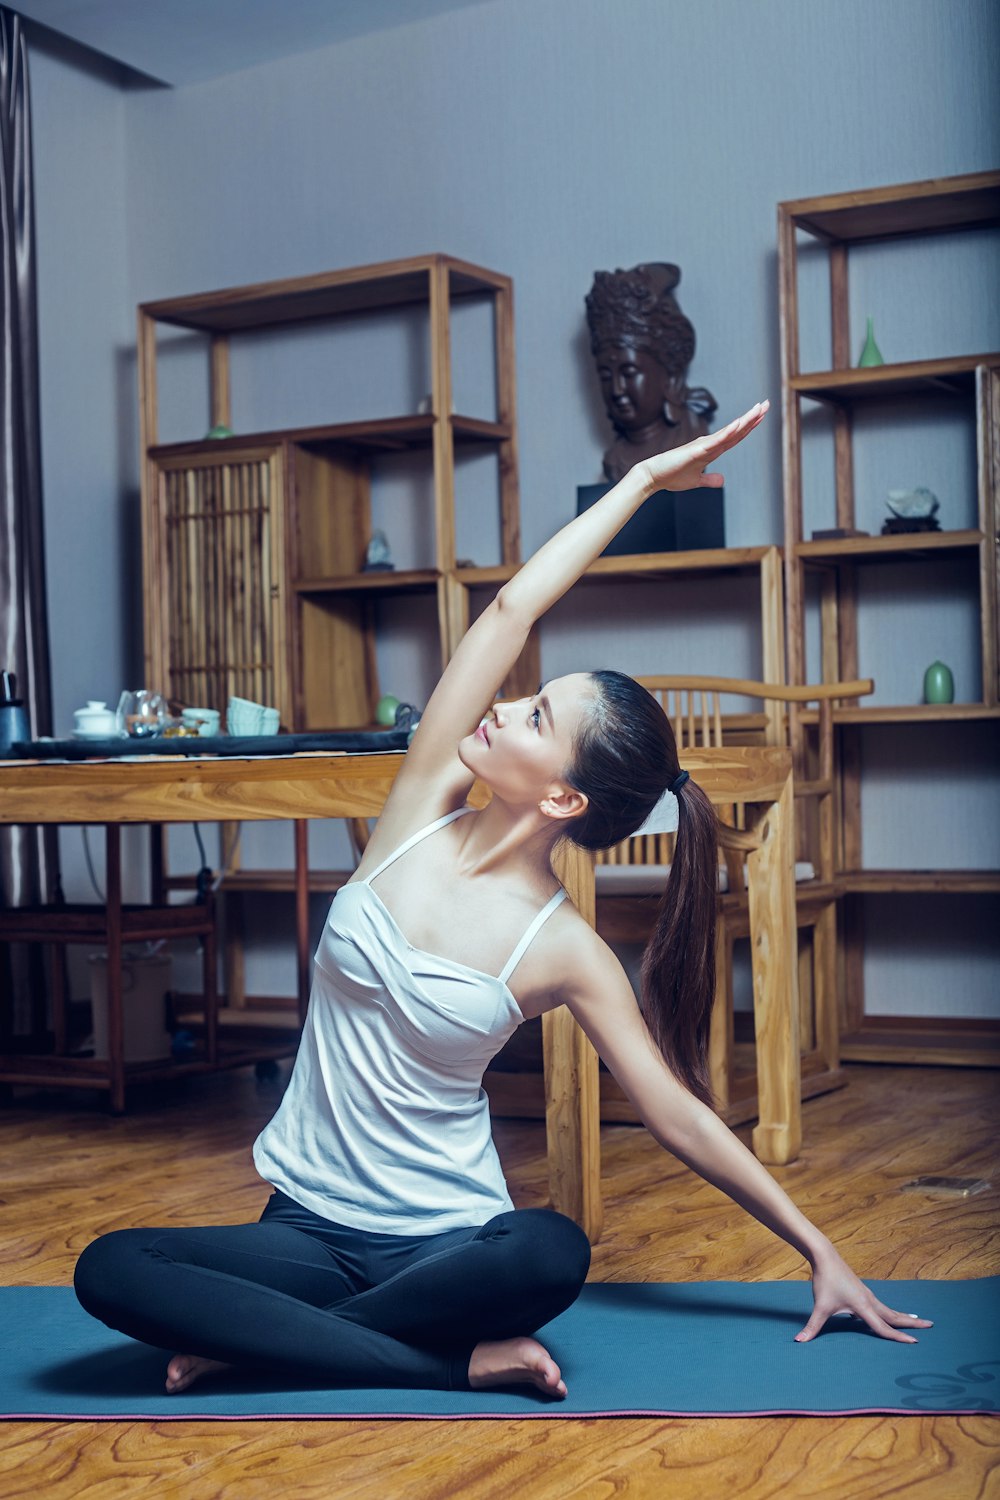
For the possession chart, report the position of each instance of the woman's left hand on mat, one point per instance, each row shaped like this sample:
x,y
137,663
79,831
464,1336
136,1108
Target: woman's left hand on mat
x,y
836,1289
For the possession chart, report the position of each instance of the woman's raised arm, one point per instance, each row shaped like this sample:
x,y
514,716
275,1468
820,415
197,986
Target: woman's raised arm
x,y
433,773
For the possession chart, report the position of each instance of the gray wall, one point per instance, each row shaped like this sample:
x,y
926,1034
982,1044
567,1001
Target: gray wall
x,y
546,138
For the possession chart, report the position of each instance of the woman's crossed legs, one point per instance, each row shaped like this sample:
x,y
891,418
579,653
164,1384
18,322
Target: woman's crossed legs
x,y
304,1297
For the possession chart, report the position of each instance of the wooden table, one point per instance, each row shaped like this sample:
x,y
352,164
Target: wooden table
x,y
299,787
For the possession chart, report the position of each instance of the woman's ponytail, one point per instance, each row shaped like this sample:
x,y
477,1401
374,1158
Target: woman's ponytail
x,y
624,757
678,967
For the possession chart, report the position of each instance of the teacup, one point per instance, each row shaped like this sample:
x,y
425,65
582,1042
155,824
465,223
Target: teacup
x,y
205,721
243,716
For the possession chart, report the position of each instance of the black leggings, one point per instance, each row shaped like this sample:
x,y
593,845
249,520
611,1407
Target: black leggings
x,y
332,1305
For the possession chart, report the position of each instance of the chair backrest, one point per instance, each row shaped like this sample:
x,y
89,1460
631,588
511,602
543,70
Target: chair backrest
x,y
782,716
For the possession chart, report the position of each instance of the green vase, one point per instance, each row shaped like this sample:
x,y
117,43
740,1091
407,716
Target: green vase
x,y
870,354
939,685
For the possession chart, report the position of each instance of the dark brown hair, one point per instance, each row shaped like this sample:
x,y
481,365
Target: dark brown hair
x,y
624,759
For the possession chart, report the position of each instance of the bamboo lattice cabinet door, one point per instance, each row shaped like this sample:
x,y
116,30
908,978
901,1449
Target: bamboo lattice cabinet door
x,y
221,594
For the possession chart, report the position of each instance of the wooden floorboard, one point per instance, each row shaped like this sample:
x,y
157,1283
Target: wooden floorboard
x,y
182,1156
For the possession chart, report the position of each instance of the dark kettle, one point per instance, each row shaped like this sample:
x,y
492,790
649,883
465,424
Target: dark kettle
x,y
13,714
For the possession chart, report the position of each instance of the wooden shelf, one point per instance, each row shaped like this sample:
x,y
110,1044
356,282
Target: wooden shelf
x,y
382,434
925,1042
48,1071
916,377
929,882
915,713
477,430
907,713
325,882
247,1019
876,548
399,581
329,294
474,577
651,564
905,208
641,565
87,923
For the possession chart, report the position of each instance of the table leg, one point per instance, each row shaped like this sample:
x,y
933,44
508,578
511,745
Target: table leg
x,y
116,1012
60,1001
302,914
777,1138
572,1085
210,987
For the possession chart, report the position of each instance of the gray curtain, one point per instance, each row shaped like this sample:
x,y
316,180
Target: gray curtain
x,y
28,868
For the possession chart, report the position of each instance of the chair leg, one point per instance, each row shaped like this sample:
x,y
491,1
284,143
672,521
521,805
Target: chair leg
x,y
720,1038
60,1003
233,966
302,949
210,990
825,985
116,1012
807,999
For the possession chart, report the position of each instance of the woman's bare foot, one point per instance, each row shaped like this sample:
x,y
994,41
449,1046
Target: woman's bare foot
x,y
520,1361
184,1369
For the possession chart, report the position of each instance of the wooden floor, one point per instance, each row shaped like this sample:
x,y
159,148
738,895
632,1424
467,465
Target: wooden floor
x,y
72,1172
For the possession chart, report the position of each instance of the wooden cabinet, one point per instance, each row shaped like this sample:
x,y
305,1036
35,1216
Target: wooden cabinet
x,y
836,563
220,610
254,546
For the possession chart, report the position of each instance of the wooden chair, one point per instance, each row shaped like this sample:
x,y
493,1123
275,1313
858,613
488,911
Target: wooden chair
x,y
631,877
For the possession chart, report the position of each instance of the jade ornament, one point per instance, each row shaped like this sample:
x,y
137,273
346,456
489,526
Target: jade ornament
x,y
939,684
870,353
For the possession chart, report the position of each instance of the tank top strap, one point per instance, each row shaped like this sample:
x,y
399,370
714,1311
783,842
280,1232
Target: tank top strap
x,y
520,950
415,838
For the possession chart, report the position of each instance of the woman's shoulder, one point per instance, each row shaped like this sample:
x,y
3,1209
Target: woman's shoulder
x,y
583,953
403,820
568,958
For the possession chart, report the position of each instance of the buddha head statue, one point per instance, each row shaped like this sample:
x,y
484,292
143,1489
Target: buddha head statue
x,y
642,345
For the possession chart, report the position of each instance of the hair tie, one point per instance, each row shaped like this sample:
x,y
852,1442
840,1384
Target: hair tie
x,y
679,781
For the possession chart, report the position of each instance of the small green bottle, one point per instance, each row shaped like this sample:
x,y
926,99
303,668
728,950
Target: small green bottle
x,y
870,354
939,684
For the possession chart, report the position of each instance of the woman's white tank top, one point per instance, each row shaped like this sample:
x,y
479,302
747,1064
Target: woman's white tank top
x,y
385,1125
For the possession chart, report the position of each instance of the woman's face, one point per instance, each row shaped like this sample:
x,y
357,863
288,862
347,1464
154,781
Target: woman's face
x,y
522,749
634,385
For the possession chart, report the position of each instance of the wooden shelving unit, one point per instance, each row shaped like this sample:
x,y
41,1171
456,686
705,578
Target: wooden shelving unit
x,y
840,221
254,544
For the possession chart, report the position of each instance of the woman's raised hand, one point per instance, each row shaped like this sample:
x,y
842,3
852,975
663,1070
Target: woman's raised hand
x,y
684,468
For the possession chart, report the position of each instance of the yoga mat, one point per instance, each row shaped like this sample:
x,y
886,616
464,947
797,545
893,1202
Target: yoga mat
x,y
718,1348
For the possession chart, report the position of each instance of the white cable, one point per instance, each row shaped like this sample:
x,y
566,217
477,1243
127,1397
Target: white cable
x,y
90,864
230,864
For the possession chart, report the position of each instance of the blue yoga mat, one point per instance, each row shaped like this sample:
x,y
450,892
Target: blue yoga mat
x,y
718,1348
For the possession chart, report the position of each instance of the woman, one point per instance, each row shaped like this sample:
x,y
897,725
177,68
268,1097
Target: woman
x,y
389,1253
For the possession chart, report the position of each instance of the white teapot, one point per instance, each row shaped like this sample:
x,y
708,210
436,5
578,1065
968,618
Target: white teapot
x,y
95,720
